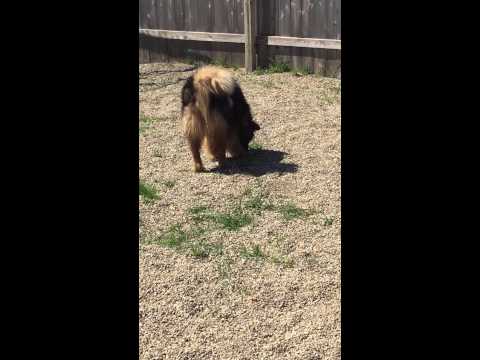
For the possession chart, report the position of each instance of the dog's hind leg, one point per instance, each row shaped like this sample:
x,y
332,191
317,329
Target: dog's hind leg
x,y
217,149
194,132
206,149
195,145
217,139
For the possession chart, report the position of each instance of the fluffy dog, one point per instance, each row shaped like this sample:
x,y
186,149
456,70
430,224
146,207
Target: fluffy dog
x,y
216,115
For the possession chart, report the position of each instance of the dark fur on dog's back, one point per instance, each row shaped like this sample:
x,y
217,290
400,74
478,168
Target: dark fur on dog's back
x,y
242,114
216,114
188,92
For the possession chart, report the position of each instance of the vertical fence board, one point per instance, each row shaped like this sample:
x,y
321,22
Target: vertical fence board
x,y
333,57
307,54
318,17
250,34
296,30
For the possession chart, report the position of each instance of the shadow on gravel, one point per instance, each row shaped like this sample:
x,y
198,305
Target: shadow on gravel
x,y
258,162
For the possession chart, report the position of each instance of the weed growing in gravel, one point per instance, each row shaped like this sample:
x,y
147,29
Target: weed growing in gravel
x,y
273,68
242,290
279,68
254,253
303,71
258,203
290,211
260,71
199,250
224,268
328,221
148,192
146,119
269,84
282,260
223,63
189,241
330,95
202,249
175,237
311,261
234,220
197,209
201,214
169,184
145,122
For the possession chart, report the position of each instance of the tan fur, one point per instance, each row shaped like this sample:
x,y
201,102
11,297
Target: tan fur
x,y
194,130
206,127
217,80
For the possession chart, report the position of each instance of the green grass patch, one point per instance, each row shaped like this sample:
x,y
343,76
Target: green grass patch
x,y
200,214
174,237
188,241
233,221
258,203
273,68
148,192
290,211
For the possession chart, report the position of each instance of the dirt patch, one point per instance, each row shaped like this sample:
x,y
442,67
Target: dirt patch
x,y
241,264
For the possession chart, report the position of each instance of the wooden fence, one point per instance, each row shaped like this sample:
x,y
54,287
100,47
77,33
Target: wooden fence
x,y
302,33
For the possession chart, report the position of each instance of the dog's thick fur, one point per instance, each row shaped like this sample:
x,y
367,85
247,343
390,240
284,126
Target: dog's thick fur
x,y
216,115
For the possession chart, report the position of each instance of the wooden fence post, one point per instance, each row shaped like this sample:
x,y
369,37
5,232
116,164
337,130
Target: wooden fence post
x,y
250,21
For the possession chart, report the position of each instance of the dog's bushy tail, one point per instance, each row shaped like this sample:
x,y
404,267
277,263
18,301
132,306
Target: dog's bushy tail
x,y
215,80
212,81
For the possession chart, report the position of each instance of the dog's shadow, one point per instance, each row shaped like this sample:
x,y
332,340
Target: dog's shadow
x,y
257,162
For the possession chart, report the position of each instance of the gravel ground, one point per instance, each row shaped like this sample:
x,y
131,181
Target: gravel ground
x,y
269,289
